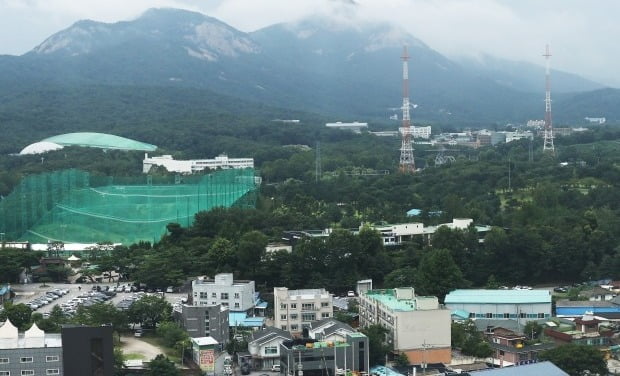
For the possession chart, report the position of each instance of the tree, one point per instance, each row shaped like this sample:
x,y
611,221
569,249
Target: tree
x,y
577,360
532,330
18,314
171,333
101,314
402,360
469,340
378,349
438,274
149,310
250,251
161,366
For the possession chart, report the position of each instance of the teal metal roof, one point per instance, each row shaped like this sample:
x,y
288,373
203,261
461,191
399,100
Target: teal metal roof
x,y
498,296
100,140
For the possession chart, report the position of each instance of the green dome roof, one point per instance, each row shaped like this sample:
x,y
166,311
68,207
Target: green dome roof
x,y
100,140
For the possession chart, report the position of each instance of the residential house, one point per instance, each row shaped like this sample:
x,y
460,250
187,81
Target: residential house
x,y
521,305
598,294
510,348
294,310
586,331
264,347
276,247
418,326
329,330
317,358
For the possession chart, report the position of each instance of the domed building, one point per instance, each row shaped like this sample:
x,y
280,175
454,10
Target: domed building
x,y
86,139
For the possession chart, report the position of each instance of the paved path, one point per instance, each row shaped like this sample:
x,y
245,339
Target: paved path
x,y
133,345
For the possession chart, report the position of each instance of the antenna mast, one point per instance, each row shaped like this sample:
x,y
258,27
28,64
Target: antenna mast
x,y
548,132
407,163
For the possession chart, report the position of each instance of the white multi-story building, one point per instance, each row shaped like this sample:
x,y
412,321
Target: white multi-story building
x,y
223,289
294,310
355,126
194,165
421,132
515,136
418,326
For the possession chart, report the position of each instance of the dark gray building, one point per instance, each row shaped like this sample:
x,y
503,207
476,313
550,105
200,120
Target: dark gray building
x,y
89,351
204,321
315,358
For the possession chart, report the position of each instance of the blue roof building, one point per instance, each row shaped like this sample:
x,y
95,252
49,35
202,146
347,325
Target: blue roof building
x,y
521,305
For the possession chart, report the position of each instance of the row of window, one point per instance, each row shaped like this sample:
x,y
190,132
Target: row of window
x,y
223,295
224,304
29,372
305,316
29,359
508,315
305,306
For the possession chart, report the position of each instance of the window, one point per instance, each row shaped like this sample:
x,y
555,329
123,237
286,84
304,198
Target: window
x,y
283,327
282,306
225,305
282,317
489,315
25,359
294,328
308,317
52,371
541,315
307,306
236,295
293,316
506,315
5,373
325,315
52,358
4,360
203,295
324,304
270,350
224,296
214,294
27,372
522,315
236,305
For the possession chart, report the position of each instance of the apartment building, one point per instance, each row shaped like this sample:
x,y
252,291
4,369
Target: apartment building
x,y
237,296
418,326
294,310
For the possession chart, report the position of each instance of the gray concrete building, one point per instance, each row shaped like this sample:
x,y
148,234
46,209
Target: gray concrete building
x,y
204,321
223,289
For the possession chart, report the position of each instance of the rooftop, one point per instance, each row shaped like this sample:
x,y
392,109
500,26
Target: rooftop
x,y
498,296
387,297
99,140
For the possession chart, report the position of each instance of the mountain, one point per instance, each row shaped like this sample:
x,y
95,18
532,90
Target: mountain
x,y
525,76
351,71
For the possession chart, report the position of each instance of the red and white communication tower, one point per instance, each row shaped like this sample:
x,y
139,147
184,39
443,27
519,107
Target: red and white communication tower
x,y
407,163
548,143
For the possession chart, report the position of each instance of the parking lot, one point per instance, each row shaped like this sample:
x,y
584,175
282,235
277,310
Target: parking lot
x,y
69,296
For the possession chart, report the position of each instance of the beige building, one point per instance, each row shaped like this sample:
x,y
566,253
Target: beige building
x,y
294,310
418,326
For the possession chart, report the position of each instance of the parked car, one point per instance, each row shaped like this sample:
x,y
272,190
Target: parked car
x,y
275,368
170,289
138,333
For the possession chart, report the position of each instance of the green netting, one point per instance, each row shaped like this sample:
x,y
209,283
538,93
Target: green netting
x,y
75,207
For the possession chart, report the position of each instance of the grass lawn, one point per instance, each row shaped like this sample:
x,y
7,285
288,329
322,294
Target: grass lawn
x,y
132,356
172,354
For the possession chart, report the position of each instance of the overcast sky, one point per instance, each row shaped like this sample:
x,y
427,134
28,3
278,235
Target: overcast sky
x,y
583,34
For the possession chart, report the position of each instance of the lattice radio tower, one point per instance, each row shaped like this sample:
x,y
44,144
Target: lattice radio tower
x,y
407,163
548,133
